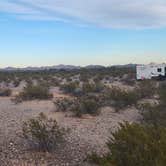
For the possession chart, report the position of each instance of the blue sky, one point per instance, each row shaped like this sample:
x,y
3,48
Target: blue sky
x,y
79,32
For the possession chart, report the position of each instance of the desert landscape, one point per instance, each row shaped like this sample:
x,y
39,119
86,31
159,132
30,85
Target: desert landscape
x,y
88,104
82,83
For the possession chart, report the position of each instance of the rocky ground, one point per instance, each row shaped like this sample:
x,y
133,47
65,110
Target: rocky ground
x,y
86,135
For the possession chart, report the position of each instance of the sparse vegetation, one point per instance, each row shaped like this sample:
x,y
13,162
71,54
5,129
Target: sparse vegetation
x,y
120,99
79,106
146,88
92,87
86,91
31,92
64,104
69,87
43,133
135,144
129,79
86,105
139,143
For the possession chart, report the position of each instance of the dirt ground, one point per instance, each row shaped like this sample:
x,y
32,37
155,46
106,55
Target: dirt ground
x,y
87,134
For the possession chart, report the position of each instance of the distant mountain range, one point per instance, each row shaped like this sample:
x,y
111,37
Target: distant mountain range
x,y
61,66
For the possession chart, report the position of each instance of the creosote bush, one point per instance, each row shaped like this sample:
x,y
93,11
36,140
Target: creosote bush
x,y
119,98
69,87
92,87
86,105
79,106
42,133
64,104
31,92
135,144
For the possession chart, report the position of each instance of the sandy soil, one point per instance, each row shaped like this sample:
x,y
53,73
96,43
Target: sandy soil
x,y
86,135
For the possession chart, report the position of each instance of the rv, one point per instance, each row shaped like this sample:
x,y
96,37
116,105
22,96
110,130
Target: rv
x,y
151,71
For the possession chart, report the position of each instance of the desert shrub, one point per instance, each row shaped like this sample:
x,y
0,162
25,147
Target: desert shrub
x,y
69,87
5,92
99,87
31,92
54,81
86,105
135,144
84,78
43,133
64,104
146,89
119,98
98,78
79,106
92,87
69,79
138,144
88,87
154,115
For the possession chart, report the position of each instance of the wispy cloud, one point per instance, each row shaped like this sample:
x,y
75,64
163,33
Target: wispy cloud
x,y
105,13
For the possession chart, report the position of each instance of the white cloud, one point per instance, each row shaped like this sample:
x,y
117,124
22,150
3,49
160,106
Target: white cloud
x,y
105,13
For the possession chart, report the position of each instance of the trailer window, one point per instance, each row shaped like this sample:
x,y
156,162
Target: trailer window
x,y
159,70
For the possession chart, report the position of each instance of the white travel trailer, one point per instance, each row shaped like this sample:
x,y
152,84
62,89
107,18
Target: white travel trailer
x,y
151,71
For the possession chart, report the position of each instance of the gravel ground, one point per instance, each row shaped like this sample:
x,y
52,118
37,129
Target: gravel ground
x,y
86,135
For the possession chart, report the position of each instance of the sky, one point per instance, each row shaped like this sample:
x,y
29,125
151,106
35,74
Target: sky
x,y
82,32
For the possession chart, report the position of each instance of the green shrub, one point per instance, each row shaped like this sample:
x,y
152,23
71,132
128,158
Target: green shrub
x,y
64,104
69,87
5,92
141,144
86,105
79,106
42,133
135,144
154,115
31,92
92,87
119,98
